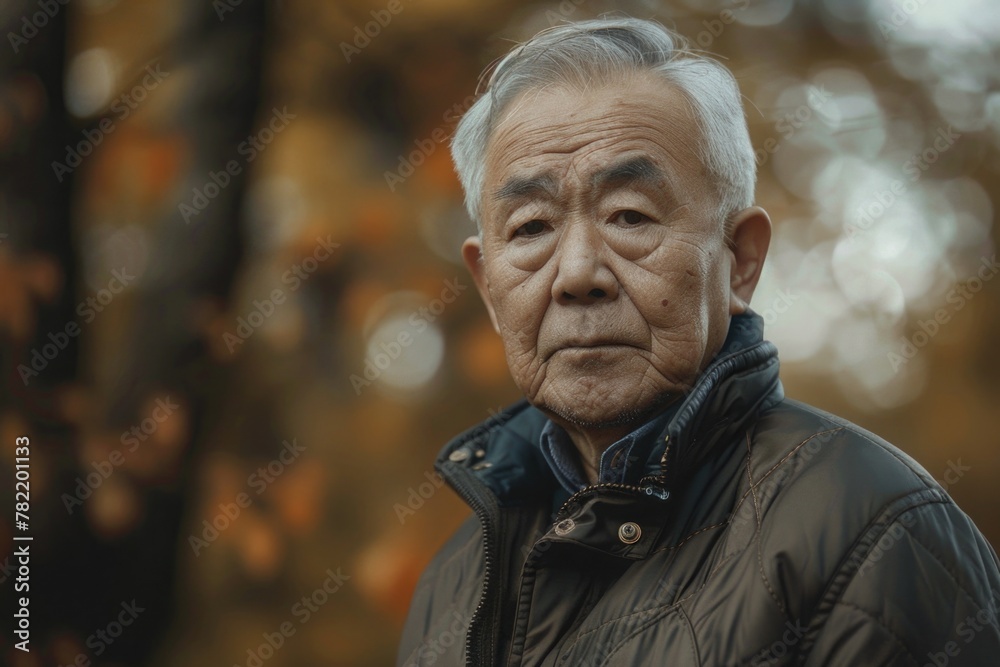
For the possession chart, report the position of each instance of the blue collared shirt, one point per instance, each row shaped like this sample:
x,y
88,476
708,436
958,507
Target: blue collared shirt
x,y
617,462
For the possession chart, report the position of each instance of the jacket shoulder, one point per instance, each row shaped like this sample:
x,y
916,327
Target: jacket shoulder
x,y
856,536
818,478
841,463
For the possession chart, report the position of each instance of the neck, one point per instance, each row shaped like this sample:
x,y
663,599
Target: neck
x,y
591,443
592,440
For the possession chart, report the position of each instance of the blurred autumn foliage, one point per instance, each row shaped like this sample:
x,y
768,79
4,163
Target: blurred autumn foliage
x,y
237,329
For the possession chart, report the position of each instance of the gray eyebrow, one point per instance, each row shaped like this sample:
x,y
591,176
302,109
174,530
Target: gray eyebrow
x,y
635,169
517,188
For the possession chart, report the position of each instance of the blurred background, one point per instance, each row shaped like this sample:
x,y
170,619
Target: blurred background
x,y
219,219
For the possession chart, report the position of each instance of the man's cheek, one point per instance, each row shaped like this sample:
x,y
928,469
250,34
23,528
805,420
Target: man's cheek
x,y
518,331
524,367
680,342
659,302
512,314
520,308
677,362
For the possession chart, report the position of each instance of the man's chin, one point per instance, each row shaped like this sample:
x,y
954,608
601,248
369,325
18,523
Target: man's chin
x,y
608,415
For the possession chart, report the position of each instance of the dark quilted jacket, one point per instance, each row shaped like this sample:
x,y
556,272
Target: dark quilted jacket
x,y
765,532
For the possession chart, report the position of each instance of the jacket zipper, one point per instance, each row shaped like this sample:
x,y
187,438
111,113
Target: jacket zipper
x,y
483,513
653,486
648,490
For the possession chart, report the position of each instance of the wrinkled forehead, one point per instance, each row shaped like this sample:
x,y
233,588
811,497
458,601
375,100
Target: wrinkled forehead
x,y
566,131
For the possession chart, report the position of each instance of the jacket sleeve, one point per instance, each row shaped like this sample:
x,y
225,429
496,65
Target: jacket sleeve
x,y
920,588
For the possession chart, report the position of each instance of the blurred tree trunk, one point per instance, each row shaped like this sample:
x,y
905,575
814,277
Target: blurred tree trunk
x,y
82,574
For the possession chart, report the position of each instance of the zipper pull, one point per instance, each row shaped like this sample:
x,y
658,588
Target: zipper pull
x,y
657,487
656,492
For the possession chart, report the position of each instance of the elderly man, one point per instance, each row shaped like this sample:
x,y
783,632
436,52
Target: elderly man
x,y
655,499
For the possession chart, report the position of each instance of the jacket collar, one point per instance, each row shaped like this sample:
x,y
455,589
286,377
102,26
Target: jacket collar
x,y
740,382
503,453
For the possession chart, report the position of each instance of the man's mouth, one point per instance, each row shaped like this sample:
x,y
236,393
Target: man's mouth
x,y
590,345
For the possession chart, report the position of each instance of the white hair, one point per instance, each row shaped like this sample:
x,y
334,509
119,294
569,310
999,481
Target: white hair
x,y
611,47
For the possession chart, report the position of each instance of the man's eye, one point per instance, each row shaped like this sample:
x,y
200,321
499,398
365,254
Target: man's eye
x,y
531,228
632,218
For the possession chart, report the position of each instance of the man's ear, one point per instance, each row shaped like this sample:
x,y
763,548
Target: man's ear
x,y
750,236
472,253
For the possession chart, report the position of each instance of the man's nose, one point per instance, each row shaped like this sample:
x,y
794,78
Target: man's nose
x,y
582,276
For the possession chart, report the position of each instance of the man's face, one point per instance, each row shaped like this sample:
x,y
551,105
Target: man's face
x,y
604,262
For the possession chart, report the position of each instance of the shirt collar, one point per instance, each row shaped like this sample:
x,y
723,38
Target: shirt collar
x,y
618,464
